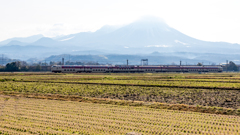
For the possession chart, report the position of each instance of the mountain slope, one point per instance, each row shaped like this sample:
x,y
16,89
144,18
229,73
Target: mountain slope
x,y
46,42
22,39
83,38
146,35
15,42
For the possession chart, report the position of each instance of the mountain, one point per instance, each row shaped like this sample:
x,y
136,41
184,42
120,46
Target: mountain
x,y
22,39
46,42
87,38
24,52
15,42
144,36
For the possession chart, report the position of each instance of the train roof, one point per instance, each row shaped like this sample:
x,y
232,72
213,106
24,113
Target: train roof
x,y
132,66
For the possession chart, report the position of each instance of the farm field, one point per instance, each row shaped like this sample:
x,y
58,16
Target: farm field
x,y
38,116
161,103
205,97
220,90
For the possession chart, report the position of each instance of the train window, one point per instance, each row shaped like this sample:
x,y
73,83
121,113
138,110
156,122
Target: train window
x,y
73,69
64,69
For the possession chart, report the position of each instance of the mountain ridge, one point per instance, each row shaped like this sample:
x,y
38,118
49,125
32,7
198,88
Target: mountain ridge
x,y
29,39
144,36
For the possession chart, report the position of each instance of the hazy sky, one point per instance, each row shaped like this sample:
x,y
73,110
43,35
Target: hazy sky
x,y
210,20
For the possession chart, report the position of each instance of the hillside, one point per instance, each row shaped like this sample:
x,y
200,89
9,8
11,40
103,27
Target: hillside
x,y
142,37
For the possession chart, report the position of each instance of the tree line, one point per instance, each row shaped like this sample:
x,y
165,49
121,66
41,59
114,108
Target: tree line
x,y
20,66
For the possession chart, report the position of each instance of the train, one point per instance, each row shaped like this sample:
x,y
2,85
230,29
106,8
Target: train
x,y
132,69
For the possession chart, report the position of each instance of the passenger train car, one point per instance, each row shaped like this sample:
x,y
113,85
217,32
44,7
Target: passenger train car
x,y
132,69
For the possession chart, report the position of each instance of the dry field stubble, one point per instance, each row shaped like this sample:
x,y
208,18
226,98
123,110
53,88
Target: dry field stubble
x,y
38,116
204,97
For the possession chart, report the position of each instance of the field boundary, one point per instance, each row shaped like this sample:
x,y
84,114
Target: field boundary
x,y
140,85
155,105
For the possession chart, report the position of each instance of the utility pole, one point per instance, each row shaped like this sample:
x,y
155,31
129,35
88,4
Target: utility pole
x,y
226,65
2,59
62,61
127,62
180,62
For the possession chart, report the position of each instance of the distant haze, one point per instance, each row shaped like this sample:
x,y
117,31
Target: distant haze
x,y
208,20
148,37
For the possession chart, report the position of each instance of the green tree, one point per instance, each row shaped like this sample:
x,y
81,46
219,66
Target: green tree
x,y
38,68
199,64
13,66
232,66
